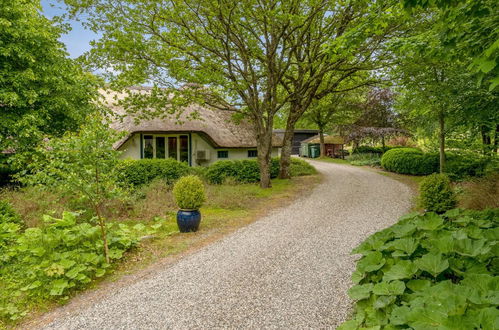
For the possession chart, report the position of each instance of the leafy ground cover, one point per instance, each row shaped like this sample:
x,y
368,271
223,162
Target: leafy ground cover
x,y
41,279
429,272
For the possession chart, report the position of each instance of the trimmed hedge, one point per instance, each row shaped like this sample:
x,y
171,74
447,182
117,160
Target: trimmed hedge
x,y
436,193
373,150
143,171
247,171
409,161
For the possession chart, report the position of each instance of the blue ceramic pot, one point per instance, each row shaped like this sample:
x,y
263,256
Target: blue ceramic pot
x,y
188,220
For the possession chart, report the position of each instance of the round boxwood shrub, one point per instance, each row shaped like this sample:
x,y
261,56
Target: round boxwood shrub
x,y
409,161
460,166
436,193
144,171
189,193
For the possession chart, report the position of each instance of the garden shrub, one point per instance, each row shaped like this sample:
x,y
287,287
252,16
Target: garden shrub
x,y
143,171
248,171
409,161
6,174
55,259
365,159
189,193
299,167
429,272
460,166
436,193
8,214
367,150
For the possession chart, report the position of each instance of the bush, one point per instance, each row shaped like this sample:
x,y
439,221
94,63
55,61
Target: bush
x,y
428,272
8,214
409,161
144,171
461,166
299,167
368,150
365,159
480,193
248,171
436,193
189,193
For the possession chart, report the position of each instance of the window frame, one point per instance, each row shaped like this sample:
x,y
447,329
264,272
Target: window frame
x,y
223,151
167,151
250,153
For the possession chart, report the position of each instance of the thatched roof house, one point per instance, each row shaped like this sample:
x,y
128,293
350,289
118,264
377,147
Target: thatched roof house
x,y
200,135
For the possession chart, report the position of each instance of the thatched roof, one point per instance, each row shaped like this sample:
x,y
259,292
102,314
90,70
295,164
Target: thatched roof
x,y
216,125
329,139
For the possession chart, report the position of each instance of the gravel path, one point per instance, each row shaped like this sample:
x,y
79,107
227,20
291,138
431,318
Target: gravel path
x,y
289,270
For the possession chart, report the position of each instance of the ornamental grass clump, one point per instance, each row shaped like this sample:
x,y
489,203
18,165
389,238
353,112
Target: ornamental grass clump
x,y
189,193
436,194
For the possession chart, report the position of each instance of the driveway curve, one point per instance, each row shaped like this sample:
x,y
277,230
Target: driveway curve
x,y
289,270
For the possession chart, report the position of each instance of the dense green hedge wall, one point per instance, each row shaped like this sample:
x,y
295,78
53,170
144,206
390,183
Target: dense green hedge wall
x,y
460,166
409,161
143,171
246,171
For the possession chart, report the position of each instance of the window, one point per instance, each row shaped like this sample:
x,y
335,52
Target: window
x,y
184,148
252,153
172,147
160,147
223,154
148,146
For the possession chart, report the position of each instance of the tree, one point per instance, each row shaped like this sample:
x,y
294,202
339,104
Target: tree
x,y
378,119
334,110
469,27
41,90
340,42
82,165
233,55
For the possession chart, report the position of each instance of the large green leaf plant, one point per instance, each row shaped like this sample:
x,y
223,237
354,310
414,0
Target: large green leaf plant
x,y
429,272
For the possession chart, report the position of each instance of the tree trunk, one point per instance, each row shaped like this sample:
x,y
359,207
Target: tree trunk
x,y
285,162
486,139
264,149
287,146
321,140
383,142
441,121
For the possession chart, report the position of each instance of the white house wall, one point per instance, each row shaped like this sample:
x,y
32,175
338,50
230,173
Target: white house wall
x,y
131,150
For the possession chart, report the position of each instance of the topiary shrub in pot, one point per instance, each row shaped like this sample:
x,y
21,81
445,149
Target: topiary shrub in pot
x,y
436,194
189,195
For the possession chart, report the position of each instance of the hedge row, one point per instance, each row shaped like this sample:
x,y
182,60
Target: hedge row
x,y
373,150
409,161
415,162
143,171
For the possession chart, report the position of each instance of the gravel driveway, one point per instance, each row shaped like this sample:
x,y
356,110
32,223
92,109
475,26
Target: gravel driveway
x,y
289,270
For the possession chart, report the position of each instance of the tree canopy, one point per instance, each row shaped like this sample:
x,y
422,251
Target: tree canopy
x,y
42,91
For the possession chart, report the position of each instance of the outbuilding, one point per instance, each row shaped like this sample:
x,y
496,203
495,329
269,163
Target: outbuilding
x,y
333,145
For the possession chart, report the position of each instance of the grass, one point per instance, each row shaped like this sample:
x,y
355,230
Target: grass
x,y
228,208
332,160
479,193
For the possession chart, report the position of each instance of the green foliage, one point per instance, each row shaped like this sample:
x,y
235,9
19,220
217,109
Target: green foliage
x,y
409,161
361,159
247,171
189,193
8,214
56,259
429,272
369,150
436,193
461,166
299,167
144,171
43,92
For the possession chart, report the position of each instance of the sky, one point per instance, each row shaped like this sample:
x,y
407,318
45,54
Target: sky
x,y
78,39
